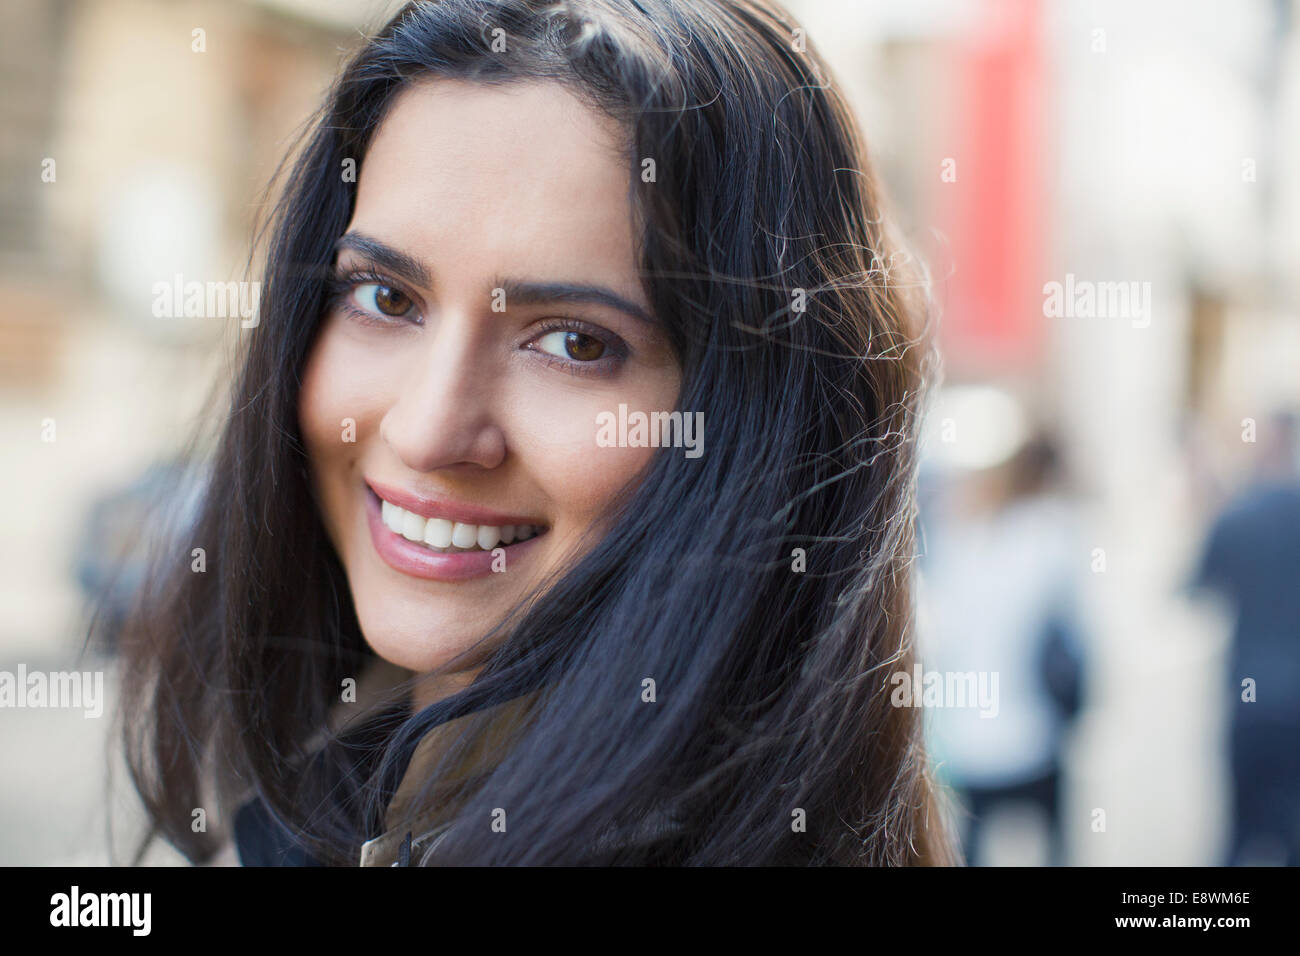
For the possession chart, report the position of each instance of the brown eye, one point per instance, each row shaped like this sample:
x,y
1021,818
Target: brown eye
x,y
384,299
583,348
390,301
575,346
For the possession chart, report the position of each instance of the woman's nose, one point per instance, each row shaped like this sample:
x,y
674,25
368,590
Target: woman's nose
x,y
444,414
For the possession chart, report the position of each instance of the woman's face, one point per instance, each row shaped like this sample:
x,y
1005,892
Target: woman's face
x,y
488,309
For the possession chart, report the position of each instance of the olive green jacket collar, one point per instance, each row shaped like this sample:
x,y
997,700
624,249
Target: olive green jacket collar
x,y
409,832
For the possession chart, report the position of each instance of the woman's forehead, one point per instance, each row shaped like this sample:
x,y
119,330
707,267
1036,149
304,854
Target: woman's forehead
x,y
514,177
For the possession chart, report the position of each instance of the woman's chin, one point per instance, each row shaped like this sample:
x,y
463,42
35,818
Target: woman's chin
x,y
419,631
420,650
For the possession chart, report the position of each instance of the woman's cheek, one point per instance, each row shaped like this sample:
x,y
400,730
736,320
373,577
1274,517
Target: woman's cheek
x,y
339,410
343,393
558,440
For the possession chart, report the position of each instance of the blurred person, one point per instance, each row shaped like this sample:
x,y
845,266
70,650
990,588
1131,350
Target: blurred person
x,y
999,572
1252,559
554,649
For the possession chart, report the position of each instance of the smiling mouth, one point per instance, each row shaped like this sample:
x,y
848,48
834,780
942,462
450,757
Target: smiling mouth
x,y
453,537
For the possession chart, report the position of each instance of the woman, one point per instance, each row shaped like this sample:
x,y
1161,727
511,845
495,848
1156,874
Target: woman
x,y
564,509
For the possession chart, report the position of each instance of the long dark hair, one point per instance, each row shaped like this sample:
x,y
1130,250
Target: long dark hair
x,y
802,338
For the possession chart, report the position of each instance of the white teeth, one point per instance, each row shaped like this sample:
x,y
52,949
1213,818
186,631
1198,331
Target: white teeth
x,y
448,536
464,535
412,527
437,533
392,517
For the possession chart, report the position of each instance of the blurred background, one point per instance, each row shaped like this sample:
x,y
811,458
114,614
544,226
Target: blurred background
x,y
1111,511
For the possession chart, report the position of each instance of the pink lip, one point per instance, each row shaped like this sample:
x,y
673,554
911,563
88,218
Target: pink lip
x,y
421,562
448,510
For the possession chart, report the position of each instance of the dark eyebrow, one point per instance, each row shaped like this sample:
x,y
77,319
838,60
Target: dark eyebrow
x,y
386,257
517,291
521,292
